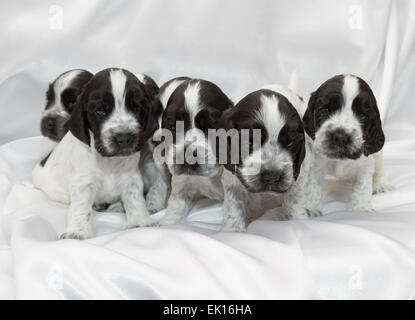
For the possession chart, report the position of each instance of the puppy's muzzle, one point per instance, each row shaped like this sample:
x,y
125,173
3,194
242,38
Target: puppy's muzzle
x,y
339,138
125,143
339,145
271,177
53,127
267,181
190,167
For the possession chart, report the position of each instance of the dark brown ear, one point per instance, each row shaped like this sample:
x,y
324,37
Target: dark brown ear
x,y
225,121
151,107
300,153
308,118
78,122
207,118
151,87
375,138
152,124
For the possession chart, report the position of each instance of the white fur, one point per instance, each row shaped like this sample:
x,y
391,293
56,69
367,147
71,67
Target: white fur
x,y
121,119
59,86
141,77
192,101
360,172
77,175
271,155
164,98
165,95
156,180
186,190
366,173
238,202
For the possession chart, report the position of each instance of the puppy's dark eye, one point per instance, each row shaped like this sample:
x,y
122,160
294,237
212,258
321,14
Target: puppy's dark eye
x,y
136,107
100,111
291,145
324,111
70,106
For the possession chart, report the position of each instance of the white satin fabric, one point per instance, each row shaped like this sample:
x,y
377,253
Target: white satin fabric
x,y
241,46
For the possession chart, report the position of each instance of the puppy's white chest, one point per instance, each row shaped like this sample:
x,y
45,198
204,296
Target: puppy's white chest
x,y
342,169
111,177
345,169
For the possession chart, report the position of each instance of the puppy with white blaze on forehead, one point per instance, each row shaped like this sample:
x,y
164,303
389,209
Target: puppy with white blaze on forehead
x,y
275,162
97,160
60,101
343,120
191,109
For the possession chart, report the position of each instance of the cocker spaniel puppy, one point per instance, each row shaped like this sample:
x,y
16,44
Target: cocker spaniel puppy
x,y
97,160
344,123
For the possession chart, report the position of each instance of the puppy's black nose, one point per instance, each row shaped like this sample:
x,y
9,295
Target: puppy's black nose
x,y
339,137
124,139
271,177
50,123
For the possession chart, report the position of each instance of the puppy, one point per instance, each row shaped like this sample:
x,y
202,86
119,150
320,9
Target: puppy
x,y
60,100
272,163
343,121
191,110
97,160
157,178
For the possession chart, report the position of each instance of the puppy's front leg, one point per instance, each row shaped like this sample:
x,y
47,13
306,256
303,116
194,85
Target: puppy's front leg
x,y
295,202
180,201
380,182
134,203
80,213
362,188
314,191
234,211
157,194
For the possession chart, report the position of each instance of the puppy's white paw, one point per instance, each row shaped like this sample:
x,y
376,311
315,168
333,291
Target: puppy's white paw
x,y
234,226
155,201
362,208
139,222
313,213
76,234
382,187
154,205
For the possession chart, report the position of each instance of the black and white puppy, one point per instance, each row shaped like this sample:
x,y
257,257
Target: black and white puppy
x,y
344,123
97,160
274,164
60,101
156,176
192,108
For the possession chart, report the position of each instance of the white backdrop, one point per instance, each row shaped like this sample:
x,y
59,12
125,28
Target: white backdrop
x,y
240,45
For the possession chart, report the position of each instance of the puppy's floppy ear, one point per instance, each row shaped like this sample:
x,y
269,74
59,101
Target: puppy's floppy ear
x,y
78,122
225,121
375,138
152,123
308,118
207,119
151,87
300,153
